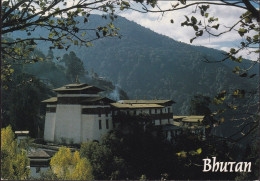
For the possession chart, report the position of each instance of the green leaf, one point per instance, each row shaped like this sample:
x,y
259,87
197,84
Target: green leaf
x,y
215,26
232,51
51,35
236,70
239,59
83,34
187,18
89,44
206,15
126,3
199,33
199,151
248,20
205,7
239,93
211,19
111,25
183,1
51,22
256,38
193,20
242,31
195,27
75,42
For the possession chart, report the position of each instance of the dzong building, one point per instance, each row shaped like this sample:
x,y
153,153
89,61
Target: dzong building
x,y
79,114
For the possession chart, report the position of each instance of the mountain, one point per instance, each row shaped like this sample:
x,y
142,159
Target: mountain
x,y
148,65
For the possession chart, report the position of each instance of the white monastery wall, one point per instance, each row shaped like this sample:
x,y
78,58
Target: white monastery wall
x,y
49,127
68,123
90,129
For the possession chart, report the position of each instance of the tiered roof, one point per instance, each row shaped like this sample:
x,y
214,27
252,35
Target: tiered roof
x,y
147,101
77,87
135,106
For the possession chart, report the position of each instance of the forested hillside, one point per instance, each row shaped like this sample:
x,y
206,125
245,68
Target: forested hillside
x,y
148,65
151,66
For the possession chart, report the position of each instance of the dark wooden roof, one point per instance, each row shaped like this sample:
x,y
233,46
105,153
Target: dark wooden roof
x,y
135,106
77,87
147,101
51,100
38,154
94,99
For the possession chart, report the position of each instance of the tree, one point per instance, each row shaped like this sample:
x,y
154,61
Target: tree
x,y
199,105
14,161
60,22
22,103
68,166
75,67
106,164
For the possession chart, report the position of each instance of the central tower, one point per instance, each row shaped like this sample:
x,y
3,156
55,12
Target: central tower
x,y
77,114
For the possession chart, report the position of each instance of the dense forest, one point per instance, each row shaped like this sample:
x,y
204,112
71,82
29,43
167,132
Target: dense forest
x,y
148,65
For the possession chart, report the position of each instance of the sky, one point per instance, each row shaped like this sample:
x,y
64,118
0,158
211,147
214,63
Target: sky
x,y
161,24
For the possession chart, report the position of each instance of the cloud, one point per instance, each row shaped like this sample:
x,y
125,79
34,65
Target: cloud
x,y
161,24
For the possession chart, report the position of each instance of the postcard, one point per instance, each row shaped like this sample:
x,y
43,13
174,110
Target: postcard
x,y
129,90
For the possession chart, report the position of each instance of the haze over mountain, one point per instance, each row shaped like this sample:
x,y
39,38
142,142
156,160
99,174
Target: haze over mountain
x,y
148,65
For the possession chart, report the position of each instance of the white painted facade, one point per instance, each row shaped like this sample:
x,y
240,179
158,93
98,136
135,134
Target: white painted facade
x,y
70,120
90,126
49,127
69,125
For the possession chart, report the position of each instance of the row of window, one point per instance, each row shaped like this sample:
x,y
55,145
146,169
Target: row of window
x,y
161,110
107,124
150,111
160,123
98,111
